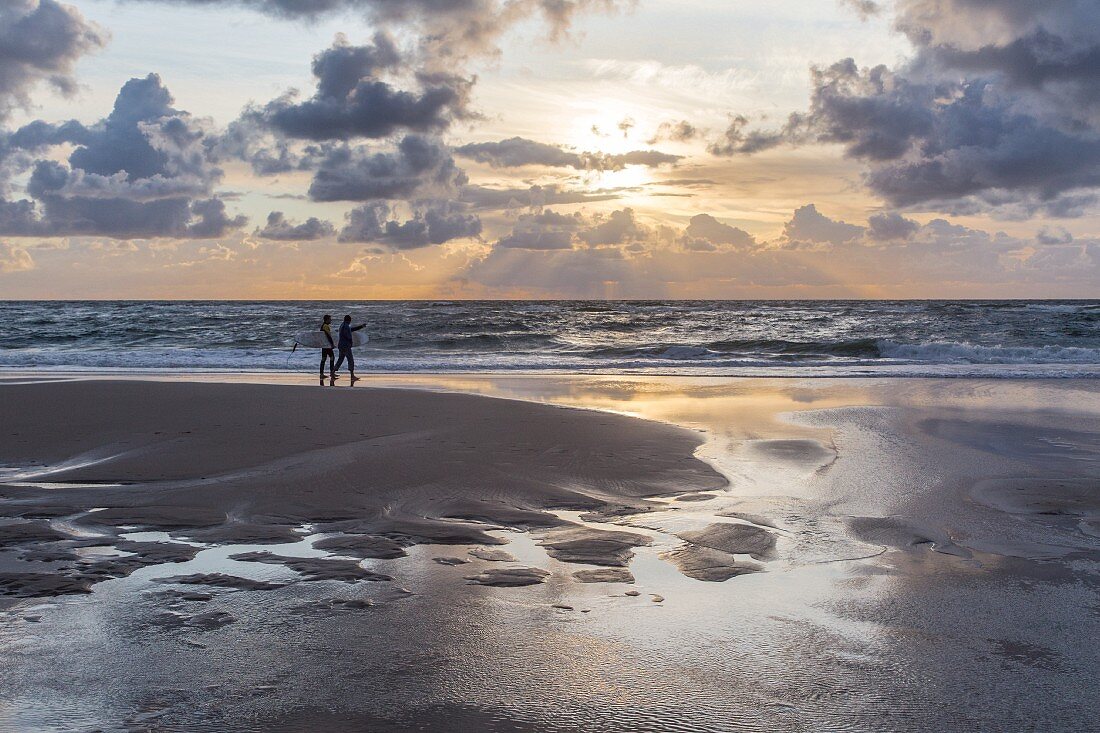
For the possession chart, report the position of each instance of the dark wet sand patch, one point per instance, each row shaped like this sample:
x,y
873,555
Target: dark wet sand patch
x,y
588,546
509,577
604,575
220,580
245,533
1047,497
610,512
41,585
188,459
708,564
76,574
735,539
22,533
696,497
492,555
905,534
315,568
364,546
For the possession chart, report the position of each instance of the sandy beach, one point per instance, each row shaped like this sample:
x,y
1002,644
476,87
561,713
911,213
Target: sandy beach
x,y
549,553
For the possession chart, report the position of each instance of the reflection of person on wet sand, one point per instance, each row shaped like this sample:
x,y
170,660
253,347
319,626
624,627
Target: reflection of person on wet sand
x,y
345,345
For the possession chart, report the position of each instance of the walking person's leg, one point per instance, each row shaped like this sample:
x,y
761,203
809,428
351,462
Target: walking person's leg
x,y
326,354
344,354
351,366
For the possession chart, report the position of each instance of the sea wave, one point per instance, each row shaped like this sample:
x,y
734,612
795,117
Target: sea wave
x,y
952,352
786,338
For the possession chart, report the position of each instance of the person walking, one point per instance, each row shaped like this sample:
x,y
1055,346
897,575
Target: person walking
x,y
345,344
328,354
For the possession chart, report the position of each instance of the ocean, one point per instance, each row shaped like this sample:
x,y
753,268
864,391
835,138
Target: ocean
x,y
1053,339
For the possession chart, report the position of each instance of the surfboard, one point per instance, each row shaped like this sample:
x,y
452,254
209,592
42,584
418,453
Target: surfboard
x,y
316,339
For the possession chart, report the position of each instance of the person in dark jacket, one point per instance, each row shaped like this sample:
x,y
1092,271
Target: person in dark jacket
x,y
344,345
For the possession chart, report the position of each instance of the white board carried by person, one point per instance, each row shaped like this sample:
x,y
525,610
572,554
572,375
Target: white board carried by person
x,y
324,339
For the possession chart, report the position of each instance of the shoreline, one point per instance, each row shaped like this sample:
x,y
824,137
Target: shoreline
x,y
1033,371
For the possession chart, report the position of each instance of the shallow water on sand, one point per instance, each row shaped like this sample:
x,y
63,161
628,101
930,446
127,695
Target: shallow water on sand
x,y
894,600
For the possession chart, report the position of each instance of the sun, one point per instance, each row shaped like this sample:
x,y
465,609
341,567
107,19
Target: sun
x,y
632,176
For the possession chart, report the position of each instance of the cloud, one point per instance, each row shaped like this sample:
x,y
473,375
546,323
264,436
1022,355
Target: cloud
x,y
14,259
516,152
890,226
737,139
551,230
679,132
486,198
434,222
351,100
449,31
280,229
618,227
419,167
41,41
865,8
143,171
997,110
649,158
543,230
938,258
705,233
1053,235
535,239
810,225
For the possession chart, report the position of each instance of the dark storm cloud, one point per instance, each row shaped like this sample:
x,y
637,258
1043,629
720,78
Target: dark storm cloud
x,y
351,100
419,167
516,152
143,171
40,41
280,229
998,109
434,222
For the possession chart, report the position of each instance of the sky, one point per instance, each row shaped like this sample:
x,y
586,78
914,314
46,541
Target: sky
x,y
393,149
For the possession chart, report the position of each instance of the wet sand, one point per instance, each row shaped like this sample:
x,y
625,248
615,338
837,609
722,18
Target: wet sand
x,y
758,555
